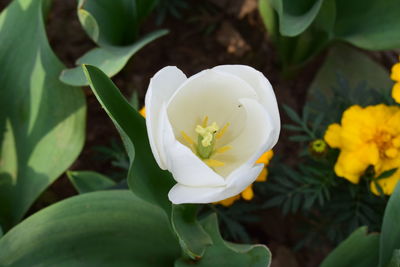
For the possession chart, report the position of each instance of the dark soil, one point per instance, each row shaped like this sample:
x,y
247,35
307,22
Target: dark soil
x,y
192,48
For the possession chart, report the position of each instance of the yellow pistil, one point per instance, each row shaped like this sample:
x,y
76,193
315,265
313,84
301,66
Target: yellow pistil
x,y
207,133
213,163
187,138
222,131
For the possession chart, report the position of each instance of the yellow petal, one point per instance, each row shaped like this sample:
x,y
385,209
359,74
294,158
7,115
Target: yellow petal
x,y
350,166
143,112
388,184
395,75
263,175
229,201
248,193
333,135
266,157
396,92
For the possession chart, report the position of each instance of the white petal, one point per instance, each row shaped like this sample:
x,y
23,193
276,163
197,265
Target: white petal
x,y
162,86
254,140
180,194
185,166
185,194
209,93
263,88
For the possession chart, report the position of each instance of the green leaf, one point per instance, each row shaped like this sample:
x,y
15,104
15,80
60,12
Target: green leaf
x,y
268,16
395,261
360,249
295,16
223,253
145,178
88,181
114,27
192,237
369,24
390,235
42,121
386,174
110,59
113,23
109,228
355,67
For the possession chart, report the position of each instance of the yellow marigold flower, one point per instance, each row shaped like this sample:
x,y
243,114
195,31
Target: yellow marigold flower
x,y
248,193
367,136
395,76
142,111
396,92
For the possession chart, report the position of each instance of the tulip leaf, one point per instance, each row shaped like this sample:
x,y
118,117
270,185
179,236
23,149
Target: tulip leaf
x,y
369,24
113,23
114,27
295,16
89,181
223,253
390,236
42,121
192,237
105,228
360,249
109,59
145,178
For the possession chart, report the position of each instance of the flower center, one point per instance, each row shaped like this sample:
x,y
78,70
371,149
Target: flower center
x,y
387,144
207,145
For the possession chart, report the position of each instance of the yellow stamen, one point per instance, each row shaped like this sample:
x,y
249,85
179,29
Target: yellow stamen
x,y
205,122
222,131
222,149
187,138
214,163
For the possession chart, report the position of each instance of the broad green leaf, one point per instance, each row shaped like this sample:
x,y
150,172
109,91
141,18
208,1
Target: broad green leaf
x,y
395,261
89,181
352,65
296,16
192,237
145,178
390,235
110,59
42,121
113,23
369,24
105,228
223,253
360,249
114,27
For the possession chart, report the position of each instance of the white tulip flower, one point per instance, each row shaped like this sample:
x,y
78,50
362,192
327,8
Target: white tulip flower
x,y
208,130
